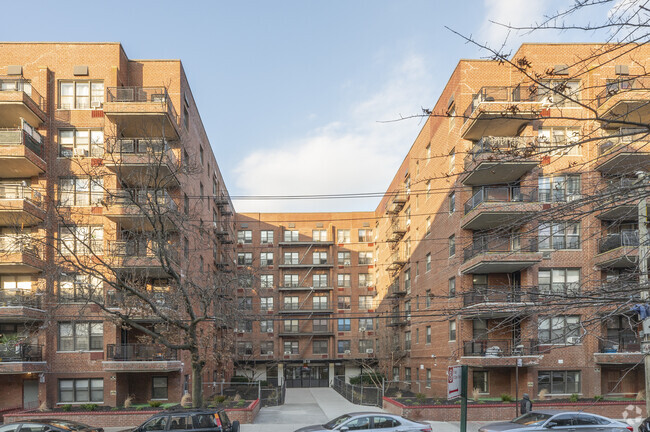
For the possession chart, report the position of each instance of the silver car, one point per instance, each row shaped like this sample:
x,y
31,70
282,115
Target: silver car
x,y
369,421
561,421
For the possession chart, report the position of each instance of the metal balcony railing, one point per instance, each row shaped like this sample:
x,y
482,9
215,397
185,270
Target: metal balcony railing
x,y
629,144
20,192
613,241
140,95
501,194
624,343
512,244
18,244
499,94
499,348
140,352
506,147
22,298
499,294
20,352
144,146
144,198
142,248
32,140
22,85
622,85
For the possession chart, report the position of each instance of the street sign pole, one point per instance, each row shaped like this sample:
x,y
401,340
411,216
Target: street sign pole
x,y
463,399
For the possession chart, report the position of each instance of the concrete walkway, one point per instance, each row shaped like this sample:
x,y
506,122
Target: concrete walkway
x,y
304,407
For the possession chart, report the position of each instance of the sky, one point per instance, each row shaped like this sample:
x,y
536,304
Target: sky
x,y
295,95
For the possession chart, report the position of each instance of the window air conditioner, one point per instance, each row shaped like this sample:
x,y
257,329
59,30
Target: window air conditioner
x,y
362,329
269,353
269,330
287,353
96,104
573,340
347,352
370,351
80,152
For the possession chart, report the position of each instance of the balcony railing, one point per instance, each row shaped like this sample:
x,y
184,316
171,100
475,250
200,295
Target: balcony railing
x,y
18,244
20,352
500,194
499,294
513,244
19,192
140,95
22,85
143,198
630,144
499,348
143,248
140,352
613,241
24,136
19,298
501,147
623,85
622,344
144,146
499,94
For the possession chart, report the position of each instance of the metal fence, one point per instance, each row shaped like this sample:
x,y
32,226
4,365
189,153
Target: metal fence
x,y
357,394
269,395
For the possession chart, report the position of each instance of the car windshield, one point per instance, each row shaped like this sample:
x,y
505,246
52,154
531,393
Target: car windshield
x,y
337,421
532,418
74,426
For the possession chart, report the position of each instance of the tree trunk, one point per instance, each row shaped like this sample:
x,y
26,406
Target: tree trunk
x,y
197,382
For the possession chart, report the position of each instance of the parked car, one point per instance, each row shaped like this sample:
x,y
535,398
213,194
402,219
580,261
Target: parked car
x,y
645,425
204,420
48,425
558,420
369,421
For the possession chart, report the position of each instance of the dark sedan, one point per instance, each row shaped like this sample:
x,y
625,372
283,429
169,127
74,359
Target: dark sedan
x,y
369,421
561,421
49,425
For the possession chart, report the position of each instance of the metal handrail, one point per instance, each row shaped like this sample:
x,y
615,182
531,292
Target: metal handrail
x,y
18,244
501,94
20,352
17,136
22,85
142,197
622,85
140,352
19,298
617,240
500,294
144,146
501,194
510,244
20,192
622,344
141,248
136,94
499,348
615,144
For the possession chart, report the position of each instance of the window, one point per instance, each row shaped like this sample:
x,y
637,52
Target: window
x,y
559,141
291,258
266,281
77,287
81,390
365,258
365,236
344,324
266,237
159,387
80,94
559,282
427,300
366,323
291,326
291,303
320,302
320,347
81,143
559,330
452,160
244,326
245,303
480,381
81,191
291,236
407,310
428,189
428,379
343,347
407,374
320,325
266,303
320,258
266,258
155,424
85,336
343,302
395,373
319,235
559,235
427,152
452,245
319,281
427,335
291,347
245,237
365,345
365,280
81,240
344,258
428,262
417,336
452,202
244,258
407,281
186,118
452,330
428,226
266,326
266,348
452,287
559,188
559,92
407,214
343,280
365,302
291,281
559,382
343,236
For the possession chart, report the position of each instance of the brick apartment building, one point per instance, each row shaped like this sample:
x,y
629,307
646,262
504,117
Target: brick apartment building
x,y
88,140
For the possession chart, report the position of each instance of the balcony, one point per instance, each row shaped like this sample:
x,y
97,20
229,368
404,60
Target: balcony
x,y
397,229
621,350
397,260
223,233
620,198
619,250
497,301
141,209
494,206
396,290
20,358
396,202
143,161
495,160
397,321
19,100
291,308
20,305
623,155
224,205
142,111
499,111
500,353
141,358
21,153
625,100
20,255
305,288
20,206
500,255
144,257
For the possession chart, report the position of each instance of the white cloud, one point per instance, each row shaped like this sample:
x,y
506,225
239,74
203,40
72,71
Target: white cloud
x,y
354,154
508,12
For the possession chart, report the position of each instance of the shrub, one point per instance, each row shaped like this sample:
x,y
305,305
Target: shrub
x,y
66,407
506,398
115,409
128,402
186,400
542,393
640,395
598,398
239,379
139,408
43,407
476,393
89,407
154,403
264,383
398,394
220,399
241,403
420,397
574,397
370,379
237,397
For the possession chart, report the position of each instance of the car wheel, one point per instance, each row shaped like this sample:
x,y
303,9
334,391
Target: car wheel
x,y
235,426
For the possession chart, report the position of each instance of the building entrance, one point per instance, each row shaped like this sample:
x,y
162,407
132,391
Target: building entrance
x,y
306,376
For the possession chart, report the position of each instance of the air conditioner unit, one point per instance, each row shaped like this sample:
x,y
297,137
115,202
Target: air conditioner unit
x,y
546,255
269,330
269,353
347,352
573,340
362,329
287,353
240,242
370,351
80,152
96,104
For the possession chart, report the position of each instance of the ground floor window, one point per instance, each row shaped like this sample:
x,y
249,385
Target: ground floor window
x,y
559,382
159,388
480,381
81,390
